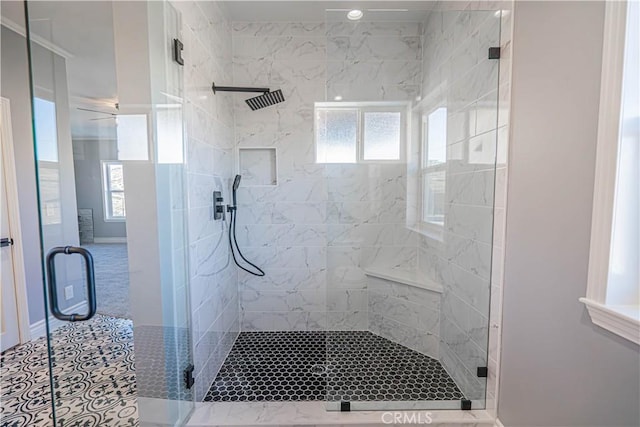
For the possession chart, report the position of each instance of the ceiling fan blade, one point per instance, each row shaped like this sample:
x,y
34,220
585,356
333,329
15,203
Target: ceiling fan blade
x,y
96,111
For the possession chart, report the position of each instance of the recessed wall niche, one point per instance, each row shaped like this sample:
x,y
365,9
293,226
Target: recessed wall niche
x,y
258,166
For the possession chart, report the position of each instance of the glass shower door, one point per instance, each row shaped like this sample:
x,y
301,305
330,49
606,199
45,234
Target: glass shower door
x,y
420,245
109,163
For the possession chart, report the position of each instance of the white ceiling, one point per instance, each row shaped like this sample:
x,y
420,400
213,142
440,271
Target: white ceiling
x,y
82,31
315,11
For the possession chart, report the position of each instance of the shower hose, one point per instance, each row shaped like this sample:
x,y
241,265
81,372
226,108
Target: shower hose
x,y
232,240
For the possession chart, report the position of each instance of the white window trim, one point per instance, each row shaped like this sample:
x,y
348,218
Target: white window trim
x,y
432,228
366,107
623,321
106,192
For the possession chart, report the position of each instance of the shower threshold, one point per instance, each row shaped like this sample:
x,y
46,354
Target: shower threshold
x,y
333,366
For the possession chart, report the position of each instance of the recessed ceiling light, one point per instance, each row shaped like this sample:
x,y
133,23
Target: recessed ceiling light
x,y
337,98
354,14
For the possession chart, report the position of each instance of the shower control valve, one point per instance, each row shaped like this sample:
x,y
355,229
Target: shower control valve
x,y
218,207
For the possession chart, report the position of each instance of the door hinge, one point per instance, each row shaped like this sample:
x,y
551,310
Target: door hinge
x,y
494,53
6,241
465,404
482,372
177,51
188,377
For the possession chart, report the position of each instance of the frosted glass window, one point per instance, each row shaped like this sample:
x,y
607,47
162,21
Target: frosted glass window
x,y
382,132
170,141
133,141
336,136
46,130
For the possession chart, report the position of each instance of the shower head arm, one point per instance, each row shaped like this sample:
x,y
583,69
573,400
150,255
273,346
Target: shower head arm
x,y
239,89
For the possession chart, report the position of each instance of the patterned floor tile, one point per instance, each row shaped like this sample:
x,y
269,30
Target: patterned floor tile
x,y
94,377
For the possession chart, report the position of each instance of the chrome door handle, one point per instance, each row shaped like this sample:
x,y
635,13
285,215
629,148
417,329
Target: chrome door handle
x,y
53,288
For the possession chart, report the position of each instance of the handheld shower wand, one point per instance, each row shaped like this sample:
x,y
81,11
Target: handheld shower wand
x,y
232,231
236,184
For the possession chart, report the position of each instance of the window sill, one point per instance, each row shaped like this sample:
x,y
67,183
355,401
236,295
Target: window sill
x,y
621,320
429,229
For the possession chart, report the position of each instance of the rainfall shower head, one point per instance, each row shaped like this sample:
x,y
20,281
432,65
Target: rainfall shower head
x,y
267,98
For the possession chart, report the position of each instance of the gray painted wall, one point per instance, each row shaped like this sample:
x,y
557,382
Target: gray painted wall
x,y
87,155
557,369
15,87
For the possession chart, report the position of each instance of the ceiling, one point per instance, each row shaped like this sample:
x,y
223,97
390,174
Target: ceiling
x,y
315,11
82,31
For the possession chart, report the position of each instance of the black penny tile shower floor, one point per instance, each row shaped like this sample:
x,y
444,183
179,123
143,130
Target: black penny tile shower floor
x,y
328,365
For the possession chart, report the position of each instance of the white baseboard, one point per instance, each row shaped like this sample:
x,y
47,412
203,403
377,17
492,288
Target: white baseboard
x,y
499,423
39,328
109,240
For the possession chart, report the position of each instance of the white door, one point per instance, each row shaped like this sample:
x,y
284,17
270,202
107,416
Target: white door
x,y
9,332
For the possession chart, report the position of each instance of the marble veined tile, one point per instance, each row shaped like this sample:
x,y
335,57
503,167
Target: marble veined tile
x,y
388,72
383,48
380,28
284,301
283,279
259,29
280,47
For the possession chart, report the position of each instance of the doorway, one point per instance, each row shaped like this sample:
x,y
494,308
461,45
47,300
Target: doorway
x,y
101,203
12,324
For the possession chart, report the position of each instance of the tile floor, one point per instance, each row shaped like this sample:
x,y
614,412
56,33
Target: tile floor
x,y
333,365
94,377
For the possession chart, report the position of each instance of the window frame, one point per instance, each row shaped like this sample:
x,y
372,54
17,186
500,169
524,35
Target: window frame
x,y
621,320
107,192
361,108
435,228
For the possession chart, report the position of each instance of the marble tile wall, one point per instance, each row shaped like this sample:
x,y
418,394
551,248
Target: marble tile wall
x,y
206,34
316,230
282,228
405,314
374,61
459,75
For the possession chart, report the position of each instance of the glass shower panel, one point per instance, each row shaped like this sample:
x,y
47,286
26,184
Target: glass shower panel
x,y
411,258
107,127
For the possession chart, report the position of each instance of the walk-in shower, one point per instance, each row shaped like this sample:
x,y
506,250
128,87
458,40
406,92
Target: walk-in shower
x,y
368,200
364,218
